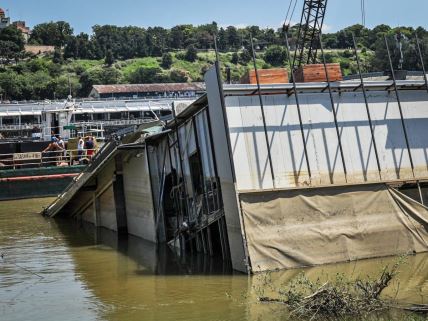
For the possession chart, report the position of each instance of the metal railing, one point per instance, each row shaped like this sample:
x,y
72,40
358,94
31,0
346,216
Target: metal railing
x,y
17,127
47,159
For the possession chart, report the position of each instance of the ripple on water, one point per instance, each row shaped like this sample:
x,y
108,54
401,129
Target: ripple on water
x,y
54,270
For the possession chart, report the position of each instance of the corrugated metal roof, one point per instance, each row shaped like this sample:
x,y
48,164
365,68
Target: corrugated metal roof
x,y
145,88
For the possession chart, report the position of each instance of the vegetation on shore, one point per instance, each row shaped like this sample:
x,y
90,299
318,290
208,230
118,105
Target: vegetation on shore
x,y
113,55
340,298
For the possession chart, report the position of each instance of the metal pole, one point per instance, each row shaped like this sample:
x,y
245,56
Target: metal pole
x,y
333,107
363,87
263,111
421,57
183,177
296,94
403,123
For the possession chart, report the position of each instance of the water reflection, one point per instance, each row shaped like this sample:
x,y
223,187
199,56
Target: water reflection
x,y
77,272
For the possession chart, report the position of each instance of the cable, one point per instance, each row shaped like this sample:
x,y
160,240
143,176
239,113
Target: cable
x,y
288,11
363,12
289,17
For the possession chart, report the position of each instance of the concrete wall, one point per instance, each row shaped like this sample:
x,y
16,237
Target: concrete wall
x,y
107,214
286,144
138,196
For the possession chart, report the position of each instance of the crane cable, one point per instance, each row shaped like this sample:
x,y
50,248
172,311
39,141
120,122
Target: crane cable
x,y
290,13
363,12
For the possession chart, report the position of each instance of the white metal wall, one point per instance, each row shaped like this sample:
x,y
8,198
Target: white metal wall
x,y
250,151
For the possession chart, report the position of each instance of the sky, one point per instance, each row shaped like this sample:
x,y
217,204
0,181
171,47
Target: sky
x,y
83,14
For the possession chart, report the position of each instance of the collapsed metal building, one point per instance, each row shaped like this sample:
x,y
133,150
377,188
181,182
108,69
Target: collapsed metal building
x,y
269,181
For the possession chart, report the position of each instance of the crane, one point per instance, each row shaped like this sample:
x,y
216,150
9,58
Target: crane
x,y
311,23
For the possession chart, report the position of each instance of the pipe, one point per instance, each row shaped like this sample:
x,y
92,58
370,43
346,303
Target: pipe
x,y
263,112
403,123
422,61
363,87
37,178
296,94
333,107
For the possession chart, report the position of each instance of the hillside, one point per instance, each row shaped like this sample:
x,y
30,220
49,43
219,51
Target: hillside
x,y
120,55
44,78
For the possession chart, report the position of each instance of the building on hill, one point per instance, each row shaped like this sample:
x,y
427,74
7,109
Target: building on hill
x,y
165,90
26,31
20,25
4,21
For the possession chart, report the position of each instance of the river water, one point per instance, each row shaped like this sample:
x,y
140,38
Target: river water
x,y
58,270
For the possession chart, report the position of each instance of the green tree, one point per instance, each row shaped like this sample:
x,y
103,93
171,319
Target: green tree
x,y
275,55
235,58
109,59
191,54
51,33
166,61
245,57
178,75
146,76
233,38
57,56
11,43
98,76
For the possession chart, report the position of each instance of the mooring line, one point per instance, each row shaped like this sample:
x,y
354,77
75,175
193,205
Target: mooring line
x,y
2,256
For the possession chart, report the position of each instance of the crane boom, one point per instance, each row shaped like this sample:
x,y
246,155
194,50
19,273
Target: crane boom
x,y
310,27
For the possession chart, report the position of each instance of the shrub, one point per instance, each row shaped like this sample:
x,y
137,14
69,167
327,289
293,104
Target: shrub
x,y
191,54
166,61
276,56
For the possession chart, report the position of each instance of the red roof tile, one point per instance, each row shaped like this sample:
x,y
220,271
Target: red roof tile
x,y
148,88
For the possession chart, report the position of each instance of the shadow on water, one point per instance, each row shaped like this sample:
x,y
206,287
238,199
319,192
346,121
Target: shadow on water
x,y
89,274
154,259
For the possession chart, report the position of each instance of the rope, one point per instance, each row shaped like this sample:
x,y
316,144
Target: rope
x,y
3,258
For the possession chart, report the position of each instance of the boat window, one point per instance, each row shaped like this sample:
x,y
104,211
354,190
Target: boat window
x,y
115,115
149,114
134,114
99,116
10,120
82,117
29,119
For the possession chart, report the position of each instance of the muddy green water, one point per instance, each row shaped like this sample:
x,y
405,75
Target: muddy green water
x,y
57,270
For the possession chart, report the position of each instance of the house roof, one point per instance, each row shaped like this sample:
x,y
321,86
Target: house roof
x,y
143,88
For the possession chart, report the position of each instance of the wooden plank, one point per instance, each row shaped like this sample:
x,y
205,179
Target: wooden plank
x,y
266,76
316,73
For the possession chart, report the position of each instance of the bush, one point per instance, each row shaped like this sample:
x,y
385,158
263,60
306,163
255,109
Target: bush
x,y
146,76
191,54
178,75
109,59
235,58
276,56
245,57
166,61
339,298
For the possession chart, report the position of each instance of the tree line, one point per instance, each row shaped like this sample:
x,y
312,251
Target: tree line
x,y
132,42
176,54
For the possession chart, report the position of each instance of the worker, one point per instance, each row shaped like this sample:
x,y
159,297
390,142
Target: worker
x,y
52,152
89,146
80,148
